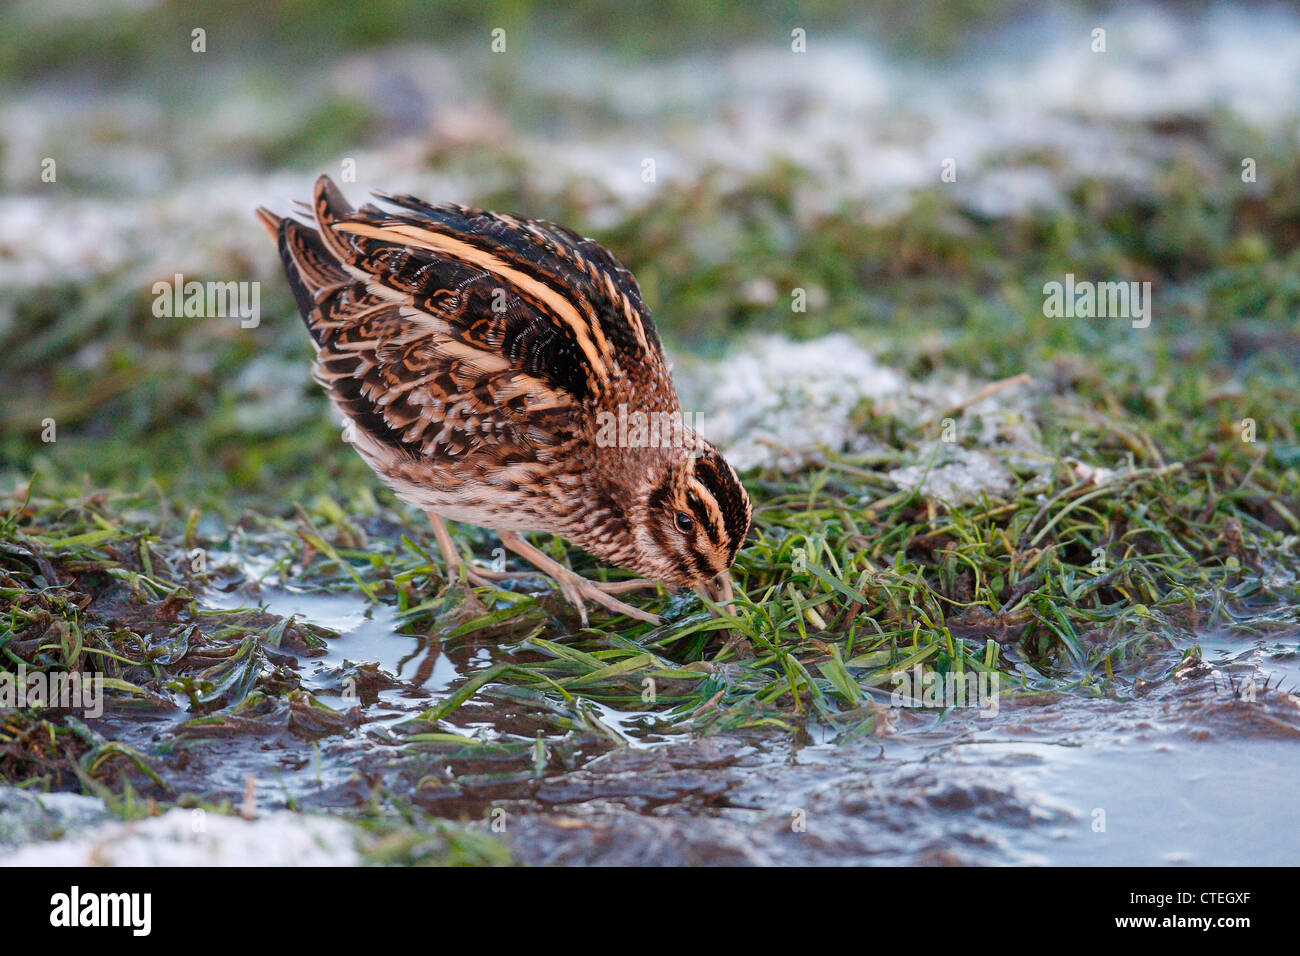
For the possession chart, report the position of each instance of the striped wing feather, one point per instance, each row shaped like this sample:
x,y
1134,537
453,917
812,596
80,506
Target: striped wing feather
x,y
443,331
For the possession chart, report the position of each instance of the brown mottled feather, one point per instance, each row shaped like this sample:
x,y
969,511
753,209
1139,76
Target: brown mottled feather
x,y
473,353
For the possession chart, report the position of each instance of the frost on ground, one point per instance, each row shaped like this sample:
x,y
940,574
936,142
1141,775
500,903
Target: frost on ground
x,y
197,838
1022,126
776,403
26,816
969,476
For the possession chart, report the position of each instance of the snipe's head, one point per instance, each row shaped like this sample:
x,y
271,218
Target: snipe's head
x,y
690,519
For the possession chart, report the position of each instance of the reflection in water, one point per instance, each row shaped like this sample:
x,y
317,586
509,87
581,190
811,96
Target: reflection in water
x,y
1185,772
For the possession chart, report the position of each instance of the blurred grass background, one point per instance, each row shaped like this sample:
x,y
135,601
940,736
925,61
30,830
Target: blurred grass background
x,y
937,285
124,38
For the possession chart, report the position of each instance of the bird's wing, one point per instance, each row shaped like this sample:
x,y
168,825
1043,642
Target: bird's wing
x,y
579,319
424,364
441,330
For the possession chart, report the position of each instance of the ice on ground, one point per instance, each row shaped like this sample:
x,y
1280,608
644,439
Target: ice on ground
x,y
26,816
772,401
775,402
197,838
967,477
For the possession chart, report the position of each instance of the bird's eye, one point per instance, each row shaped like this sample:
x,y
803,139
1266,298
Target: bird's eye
x,y
685,522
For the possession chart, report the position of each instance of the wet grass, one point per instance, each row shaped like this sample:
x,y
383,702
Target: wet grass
x,y
1077,580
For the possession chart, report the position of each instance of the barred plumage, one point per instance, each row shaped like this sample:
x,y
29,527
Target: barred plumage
x,y
475,357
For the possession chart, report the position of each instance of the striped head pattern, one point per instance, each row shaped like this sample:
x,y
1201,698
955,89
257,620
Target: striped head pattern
x,y
691,520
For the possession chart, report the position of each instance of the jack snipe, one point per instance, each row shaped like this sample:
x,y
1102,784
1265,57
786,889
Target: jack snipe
x,y
478,360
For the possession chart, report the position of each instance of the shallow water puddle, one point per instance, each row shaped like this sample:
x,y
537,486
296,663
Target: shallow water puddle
x,y
1269,661
1185,770
1200,802
366,634
1093,783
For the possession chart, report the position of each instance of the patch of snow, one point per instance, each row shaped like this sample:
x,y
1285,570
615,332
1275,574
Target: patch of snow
x,y
770,401
1024,118
964,478
26,816
196,838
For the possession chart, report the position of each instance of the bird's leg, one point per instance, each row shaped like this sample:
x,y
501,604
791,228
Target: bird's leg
x,y
575,588
454,561
622,587
609,587
481,577
450,556
454,565
485,577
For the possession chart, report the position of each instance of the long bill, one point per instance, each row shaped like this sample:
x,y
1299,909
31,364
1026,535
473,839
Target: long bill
x,y
719,591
